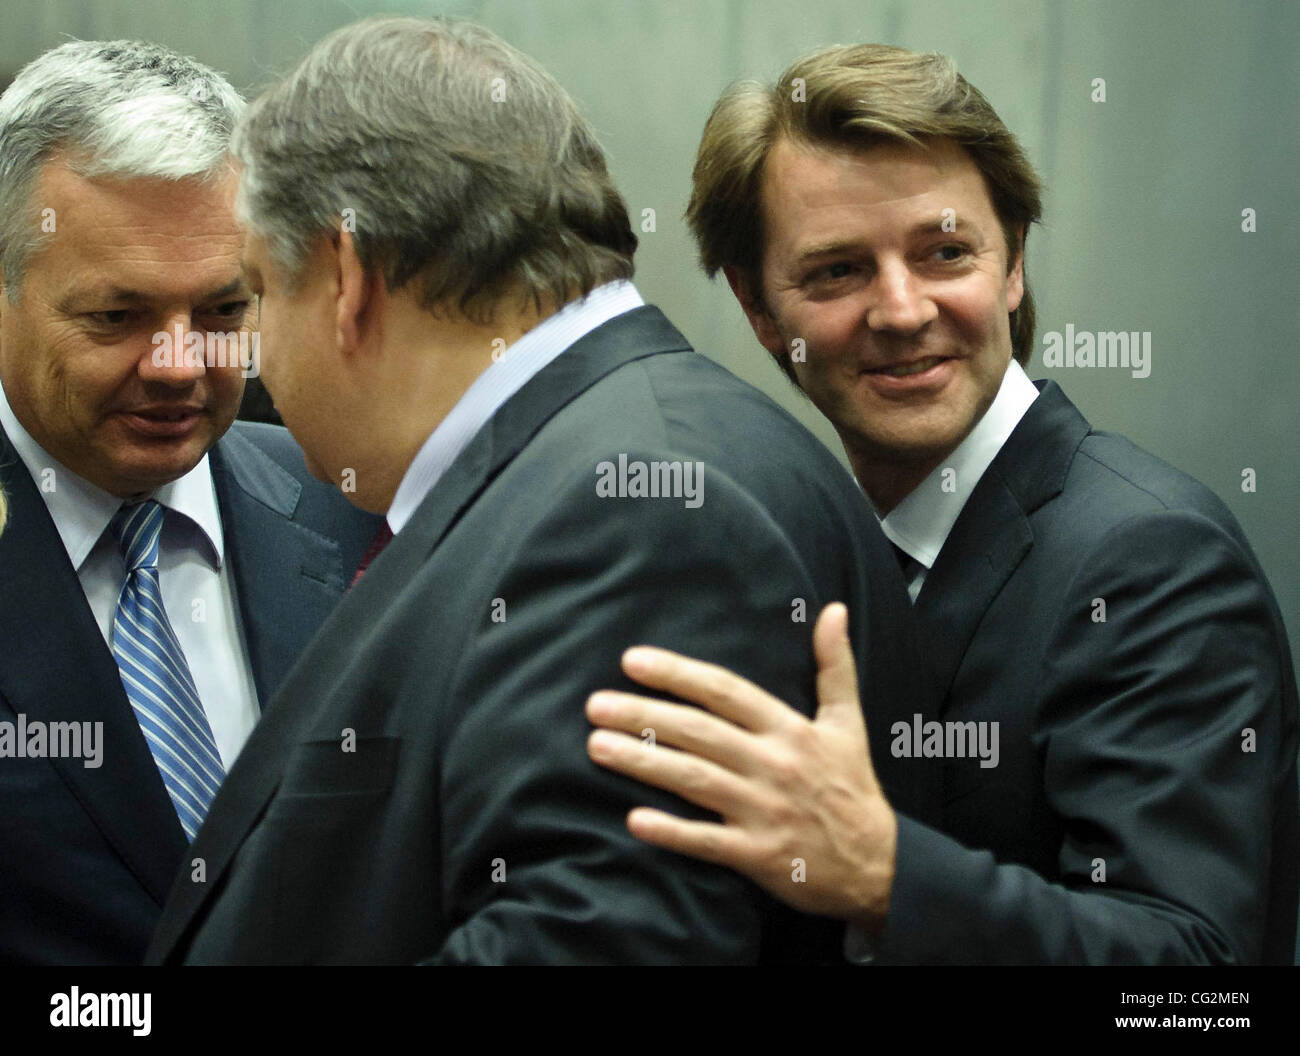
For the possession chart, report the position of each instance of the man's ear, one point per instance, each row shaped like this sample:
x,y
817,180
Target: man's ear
x,y
760,321
1016,273
358,295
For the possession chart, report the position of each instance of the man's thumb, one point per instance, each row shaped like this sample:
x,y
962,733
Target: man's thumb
x,y
837,673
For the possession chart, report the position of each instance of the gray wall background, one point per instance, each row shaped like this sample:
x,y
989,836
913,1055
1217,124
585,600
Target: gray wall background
x,y
1144,191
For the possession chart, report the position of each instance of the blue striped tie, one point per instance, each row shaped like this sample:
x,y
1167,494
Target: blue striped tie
x,y
155,675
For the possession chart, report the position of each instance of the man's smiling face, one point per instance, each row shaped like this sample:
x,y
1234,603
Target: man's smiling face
x,y
905,324
128,259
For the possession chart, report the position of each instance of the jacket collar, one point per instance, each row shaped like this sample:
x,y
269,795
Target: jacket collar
x,y
272,557
993,534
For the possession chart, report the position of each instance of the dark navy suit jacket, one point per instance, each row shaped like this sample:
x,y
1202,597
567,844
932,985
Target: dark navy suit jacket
x,y
87,855
1108,613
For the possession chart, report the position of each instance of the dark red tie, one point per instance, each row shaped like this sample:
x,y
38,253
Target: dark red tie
x,y
382,538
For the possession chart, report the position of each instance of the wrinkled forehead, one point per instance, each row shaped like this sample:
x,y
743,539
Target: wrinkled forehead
x,y
104,208
138,234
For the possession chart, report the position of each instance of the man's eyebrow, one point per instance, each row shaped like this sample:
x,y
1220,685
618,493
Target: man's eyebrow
x,y
105,294
851,246
237,285
948,225
828,249
113,294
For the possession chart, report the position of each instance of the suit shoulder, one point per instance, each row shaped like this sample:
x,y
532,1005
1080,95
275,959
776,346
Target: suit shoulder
x,y
706,410
691,377
273,441
1125,510
680,407
656,417
270,467
1130,481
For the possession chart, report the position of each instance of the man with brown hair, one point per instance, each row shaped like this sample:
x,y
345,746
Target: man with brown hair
x,y
1118,734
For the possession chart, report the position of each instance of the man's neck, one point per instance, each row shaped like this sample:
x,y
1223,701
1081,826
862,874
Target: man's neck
x,y
886,479
428,365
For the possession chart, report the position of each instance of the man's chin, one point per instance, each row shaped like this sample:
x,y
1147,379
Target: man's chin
x,y
139,481
151,469
915,448
922,434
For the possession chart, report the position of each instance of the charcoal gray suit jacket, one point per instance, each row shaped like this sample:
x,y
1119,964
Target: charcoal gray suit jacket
x,y
420,789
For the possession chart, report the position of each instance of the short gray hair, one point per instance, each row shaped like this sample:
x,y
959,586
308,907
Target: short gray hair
x,y
466,166
126,109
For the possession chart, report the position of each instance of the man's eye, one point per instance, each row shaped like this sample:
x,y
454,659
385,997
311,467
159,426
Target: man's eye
x,y
950,253
839,270
115,317
231,311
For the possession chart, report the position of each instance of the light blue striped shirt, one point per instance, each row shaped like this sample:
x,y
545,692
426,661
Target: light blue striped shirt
x,y
517,366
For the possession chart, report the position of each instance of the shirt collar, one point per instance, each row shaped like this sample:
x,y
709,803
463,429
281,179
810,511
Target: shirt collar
x,y
81,510
517,365
920,524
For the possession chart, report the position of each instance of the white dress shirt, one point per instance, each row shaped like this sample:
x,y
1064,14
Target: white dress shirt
x,y
197,590
920,524
517,365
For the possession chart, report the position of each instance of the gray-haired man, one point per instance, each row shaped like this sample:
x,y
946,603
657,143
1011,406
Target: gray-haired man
x,y
159,578
443,261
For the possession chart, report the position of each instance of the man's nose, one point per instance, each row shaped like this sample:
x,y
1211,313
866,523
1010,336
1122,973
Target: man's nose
x,y
899,301
176,355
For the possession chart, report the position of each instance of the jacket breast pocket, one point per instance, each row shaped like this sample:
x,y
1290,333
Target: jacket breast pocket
x,y
961,777
324,834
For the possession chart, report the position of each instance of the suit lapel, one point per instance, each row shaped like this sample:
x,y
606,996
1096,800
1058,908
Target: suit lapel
x,y
59,669
257,498
256,775
635,335
991,537
993,534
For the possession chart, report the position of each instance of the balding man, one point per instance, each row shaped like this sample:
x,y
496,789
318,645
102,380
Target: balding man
x,y
449,319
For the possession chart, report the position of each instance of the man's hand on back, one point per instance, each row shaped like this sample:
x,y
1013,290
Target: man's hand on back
x,y
803,814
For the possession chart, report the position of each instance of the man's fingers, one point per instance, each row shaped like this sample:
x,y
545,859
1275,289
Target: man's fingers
x,y
696,780
706,840
677,725
722,692
837,672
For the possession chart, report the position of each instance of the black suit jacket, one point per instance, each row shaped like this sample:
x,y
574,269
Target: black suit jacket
x,y
1144,806
87,855
464,823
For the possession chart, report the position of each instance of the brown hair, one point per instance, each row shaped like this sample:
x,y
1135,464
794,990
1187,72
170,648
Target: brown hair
x,y
852,97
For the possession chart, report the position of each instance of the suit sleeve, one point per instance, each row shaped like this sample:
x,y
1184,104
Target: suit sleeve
x,y
542,867
1164,735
